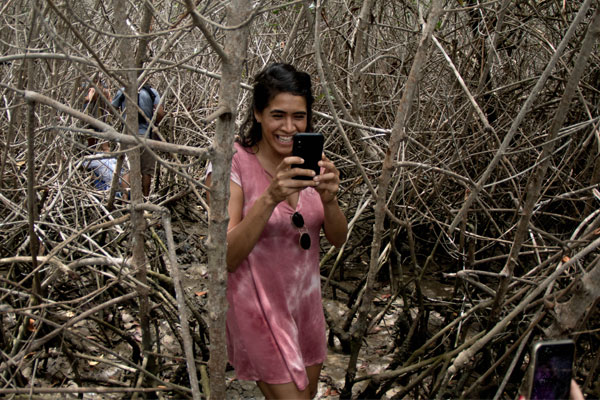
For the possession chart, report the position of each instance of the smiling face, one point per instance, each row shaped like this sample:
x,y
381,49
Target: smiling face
x,y
285,116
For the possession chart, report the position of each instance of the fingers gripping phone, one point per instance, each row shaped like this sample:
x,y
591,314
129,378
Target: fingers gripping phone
x,y
308,146
552,370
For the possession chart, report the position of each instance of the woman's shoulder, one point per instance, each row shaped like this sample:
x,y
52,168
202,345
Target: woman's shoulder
x,y
245,163
242,152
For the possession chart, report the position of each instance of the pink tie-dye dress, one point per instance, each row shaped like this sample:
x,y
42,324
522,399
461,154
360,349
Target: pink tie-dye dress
x,y
275,322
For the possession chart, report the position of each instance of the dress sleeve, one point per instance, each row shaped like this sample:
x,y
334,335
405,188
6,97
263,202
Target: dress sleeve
x,y
234,174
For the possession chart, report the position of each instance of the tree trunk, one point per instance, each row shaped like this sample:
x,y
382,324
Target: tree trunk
x,y
138,223
232,58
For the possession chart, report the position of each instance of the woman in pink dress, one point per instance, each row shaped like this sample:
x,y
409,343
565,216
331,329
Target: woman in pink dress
x,y
275,324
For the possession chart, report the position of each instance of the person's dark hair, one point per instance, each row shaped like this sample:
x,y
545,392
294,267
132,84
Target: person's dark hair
x,y
275,79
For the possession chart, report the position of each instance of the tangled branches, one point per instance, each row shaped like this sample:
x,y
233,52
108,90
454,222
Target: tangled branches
x,y
489,237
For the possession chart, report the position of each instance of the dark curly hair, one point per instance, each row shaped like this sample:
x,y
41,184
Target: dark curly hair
x,y
276,78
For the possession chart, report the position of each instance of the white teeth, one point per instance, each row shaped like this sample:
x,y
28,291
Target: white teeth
x,y
285,139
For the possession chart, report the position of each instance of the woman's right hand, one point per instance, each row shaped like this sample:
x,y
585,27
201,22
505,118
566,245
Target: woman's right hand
x,y
283,185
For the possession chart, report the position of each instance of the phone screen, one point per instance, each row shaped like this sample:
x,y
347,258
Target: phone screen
x,y
553,363
309,146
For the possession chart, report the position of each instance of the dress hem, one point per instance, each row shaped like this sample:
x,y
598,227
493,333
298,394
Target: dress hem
x,y
277,381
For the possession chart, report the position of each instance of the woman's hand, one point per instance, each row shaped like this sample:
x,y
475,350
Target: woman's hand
x,y
328,182
282,185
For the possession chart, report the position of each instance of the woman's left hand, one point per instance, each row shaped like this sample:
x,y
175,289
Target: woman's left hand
x,y
328,182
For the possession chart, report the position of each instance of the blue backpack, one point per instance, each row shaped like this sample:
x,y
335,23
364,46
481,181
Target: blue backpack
x,y
148,90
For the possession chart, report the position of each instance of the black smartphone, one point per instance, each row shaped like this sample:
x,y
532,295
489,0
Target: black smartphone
x,y
309,146
552,369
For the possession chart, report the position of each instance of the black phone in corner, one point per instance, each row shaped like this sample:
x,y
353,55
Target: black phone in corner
x,y
309,146
552,370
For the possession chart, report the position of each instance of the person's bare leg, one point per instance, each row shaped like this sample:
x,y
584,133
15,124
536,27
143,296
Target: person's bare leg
x,y
146,180
290,390
283,391
265,389
313,372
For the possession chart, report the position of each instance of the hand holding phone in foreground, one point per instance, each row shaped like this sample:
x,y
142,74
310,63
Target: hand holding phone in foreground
x,y
551,378
575,393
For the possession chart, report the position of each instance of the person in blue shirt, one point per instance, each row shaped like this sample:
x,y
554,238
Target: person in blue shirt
x,y
149,102
104,169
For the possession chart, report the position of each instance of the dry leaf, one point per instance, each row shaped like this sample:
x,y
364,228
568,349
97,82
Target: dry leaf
x,y
93,363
